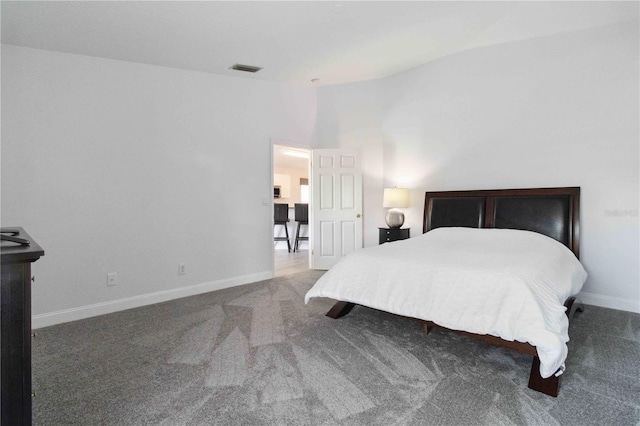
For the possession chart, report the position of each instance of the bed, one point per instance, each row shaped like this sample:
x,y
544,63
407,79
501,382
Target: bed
x,y
496,265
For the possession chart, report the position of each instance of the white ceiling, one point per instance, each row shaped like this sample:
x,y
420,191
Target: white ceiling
x,y
287,161
296,41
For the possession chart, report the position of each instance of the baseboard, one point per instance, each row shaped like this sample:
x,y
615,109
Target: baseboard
x,y
610,302
74,314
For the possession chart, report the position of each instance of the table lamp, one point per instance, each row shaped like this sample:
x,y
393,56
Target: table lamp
x,y
395,198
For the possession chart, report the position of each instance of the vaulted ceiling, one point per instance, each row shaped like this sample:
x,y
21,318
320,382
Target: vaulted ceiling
x,y
294,42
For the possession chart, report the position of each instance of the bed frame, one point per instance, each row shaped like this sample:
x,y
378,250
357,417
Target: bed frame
x,y
554,212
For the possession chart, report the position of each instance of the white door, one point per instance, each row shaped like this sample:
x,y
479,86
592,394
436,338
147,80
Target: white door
x,y
336,207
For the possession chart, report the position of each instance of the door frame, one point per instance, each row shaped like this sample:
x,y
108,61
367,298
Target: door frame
x,y
293,145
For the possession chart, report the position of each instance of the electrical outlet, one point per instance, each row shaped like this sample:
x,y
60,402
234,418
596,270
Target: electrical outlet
x,y
182,269
112,279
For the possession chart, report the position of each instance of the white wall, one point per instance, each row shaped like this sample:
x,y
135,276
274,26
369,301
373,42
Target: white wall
x,y
554,111
350,116
129,168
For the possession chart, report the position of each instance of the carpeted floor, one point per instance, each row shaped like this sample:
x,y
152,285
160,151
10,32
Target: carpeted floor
x,y
256,354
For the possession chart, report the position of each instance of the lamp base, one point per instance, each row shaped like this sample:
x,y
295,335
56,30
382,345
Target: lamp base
x,y
394,218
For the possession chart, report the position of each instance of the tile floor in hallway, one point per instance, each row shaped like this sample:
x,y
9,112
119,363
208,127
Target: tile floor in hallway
x,y
290,263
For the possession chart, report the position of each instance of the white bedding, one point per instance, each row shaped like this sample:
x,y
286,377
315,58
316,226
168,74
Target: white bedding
x,y
506,283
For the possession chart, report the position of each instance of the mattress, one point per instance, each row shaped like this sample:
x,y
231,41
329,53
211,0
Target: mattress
x,y
507,283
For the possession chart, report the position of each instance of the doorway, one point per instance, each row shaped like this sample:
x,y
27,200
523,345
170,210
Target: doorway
x,y
291,186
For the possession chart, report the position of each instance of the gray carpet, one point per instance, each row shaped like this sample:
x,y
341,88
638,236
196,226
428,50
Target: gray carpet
x,y
256,354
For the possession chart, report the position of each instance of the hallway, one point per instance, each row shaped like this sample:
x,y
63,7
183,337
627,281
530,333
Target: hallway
x,y
289,263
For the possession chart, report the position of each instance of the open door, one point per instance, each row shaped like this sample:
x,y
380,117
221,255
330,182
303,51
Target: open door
x,y
336,208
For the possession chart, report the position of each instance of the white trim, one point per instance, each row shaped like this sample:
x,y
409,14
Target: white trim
x,y
74,314
610,302
294,145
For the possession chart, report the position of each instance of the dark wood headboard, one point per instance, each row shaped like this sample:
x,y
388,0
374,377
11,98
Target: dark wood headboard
x,y
554,212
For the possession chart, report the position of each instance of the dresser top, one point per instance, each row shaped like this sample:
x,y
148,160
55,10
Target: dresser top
x,y
12,252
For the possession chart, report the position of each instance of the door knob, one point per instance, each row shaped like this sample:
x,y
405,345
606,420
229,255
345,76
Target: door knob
x,y
358,215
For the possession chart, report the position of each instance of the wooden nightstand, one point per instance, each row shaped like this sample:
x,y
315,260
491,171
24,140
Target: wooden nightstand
x,y
392,234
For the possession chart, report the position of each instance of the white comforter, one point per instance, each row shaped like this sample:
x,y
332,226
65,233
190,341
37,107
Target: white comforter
x,y
507,283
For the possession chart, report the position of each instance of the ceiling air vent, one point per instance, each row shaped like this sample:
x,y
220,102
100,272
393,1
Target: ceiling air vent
x,y
245,68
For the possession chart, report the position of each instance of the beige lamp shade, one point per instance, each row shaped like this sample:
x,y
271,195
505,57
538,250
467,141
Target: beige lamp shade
x,y
394,198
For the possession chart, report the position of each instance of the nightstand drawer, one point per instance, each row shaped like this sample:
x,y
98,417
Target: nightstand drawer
x,y
386,235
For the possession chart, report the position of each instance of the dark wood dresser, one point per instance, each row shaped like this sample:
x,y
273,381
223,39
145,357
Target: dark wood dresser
x,y
16,325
